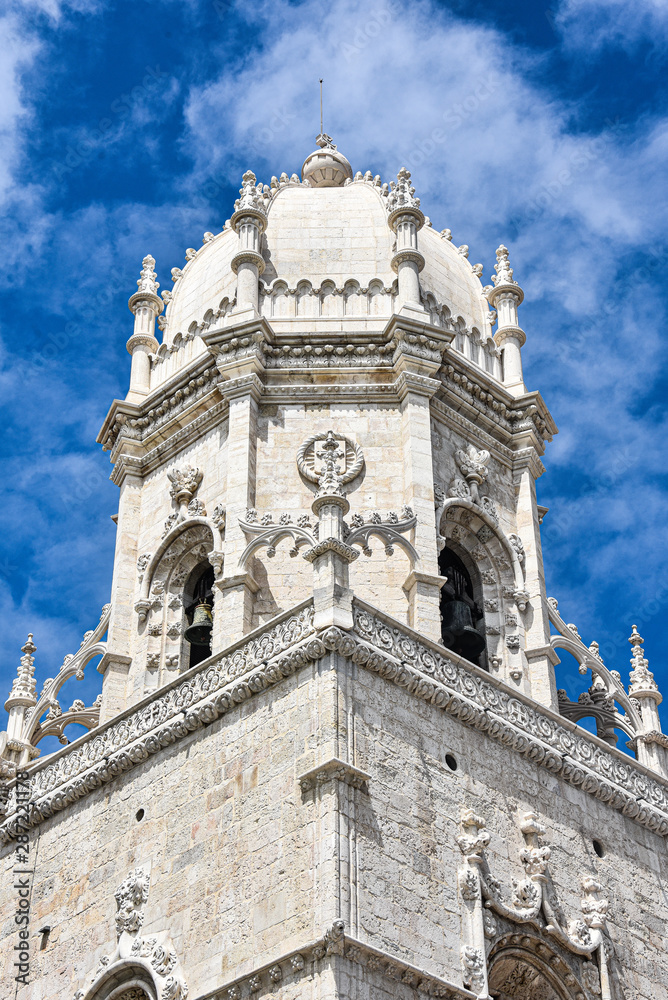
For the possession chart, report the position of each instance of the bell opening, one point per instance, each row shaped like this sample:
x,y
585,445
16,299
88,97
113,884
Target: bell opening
x,y
199,613
460,612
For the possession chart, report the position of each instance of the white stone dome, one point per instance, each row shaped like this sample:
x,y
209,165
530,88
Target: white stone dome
x,y
327,253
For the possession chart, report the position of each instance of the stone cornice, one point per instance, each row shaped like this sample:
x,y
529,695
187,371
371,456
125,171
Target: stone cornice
x,y
519,422
412,383
136,427
381,645
475,433
407,347
182,438
333,770
335,945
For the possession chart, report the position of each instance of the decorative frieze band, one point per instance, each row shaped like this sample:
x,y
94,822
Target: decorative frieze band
x,y
335,942
379,644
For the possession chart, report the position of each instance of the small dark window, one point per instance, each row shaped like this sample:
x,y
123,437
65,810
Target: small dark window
x,y
459,611
139,815
451,761
598,848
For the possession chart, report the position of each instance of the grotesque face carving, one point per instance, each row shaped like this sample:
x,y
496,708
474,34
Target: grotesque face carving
x,y
130,898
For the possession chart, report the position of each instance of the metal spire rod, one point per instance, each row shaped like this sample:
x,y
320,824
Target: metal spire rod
x,y
321,128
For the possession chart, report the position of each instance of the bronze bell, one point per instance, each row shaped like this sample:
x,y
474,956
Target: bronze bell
x,y
459,635
199,633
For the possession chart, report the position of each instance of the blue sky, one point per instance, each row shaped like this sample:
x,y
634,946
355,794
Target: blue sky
x,y
124,130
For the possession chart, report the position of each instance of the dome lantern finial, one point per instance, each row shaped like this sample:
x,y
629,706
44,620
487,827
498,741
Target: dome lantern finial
x,y
326,167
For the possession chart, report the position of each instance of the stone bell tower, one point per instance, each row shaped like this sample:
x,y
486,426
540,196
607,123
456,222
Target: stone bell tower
x,y
329,758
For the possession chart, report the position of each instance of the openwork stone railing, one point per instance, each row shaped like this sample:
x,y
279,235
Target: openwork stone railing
x,y
379,644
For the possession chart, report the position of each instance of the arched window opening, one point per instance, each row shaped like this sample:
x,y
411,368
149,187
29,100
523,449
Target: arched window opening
x,y
514,973
198,603
462,618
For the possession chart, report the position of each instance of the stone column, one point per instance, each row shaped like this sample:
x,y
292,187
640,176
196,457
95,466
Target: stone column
x,y
541,684
21,698
405,219
651,743
234,605
145,305
416,361
331,557
424,583
122,634
249,222
472,842
505,297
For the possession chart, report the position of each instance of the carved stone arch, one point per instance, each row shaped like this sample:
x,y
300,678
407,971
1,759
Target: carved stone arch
x,y
606,714
354,303
188,544
307,302
329,298
376,298
36,724
127,979
521,966
173,545
445,317
432,307
459,327
280,303
465,524
224,307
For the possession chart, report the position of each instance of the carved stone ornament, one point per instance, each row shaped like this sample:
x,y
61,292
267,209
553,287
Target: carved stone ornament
x,y
642,678
251,199
319,458
402,193
473,966
43,716
375,643
472,463
607,694
504,272
185,483
24,684
157,953
131,896
148,280
531,902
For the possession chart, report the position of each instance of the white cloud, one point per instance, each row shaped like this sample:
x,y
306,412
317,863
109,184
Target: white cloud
x,y
495,158
594,24
491,153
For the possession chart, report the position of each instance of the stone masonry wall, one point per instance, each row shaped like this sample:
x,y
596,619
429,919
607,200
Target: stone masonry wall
x,y
246,867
